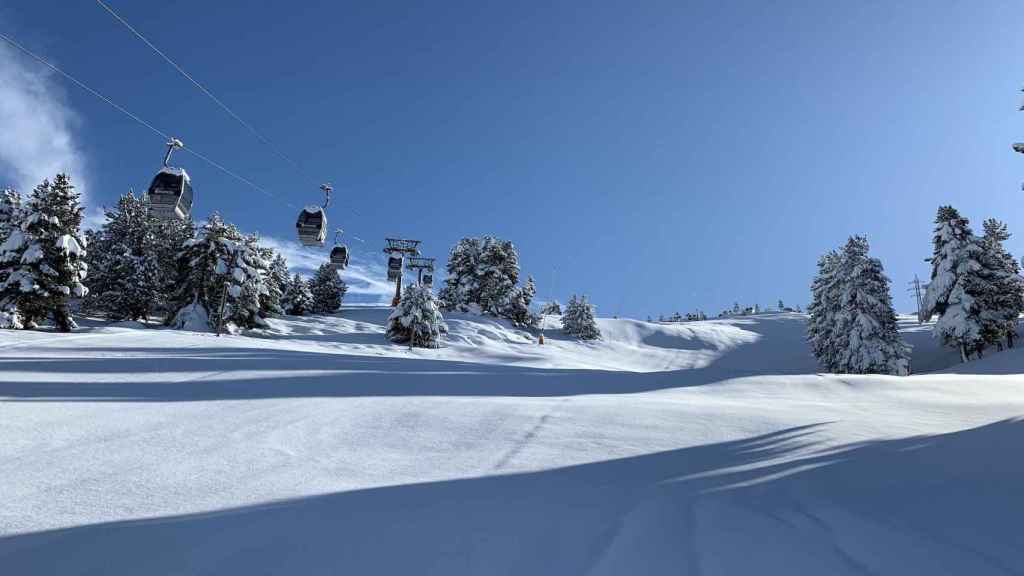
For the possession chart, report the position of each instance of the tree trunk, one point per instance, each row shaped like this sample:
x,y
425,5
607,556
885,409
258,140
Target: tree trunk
x,y
963,353
1009,339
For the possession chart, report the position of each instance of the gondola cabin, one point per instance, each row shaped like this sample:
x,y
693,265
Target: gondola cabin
x,y
170,194
339,256
428,279
312,226
394,268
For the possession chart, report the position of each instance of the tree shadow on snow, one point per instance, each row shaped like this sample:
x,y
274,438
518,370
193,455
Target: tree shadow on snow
x,y
193,374
943,504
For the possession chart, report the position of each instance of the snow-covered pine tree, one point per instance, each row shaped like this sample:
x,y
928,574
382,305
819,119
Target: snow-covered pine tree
x,y
246,307
218,273
170,237
873,344
42,262
955,283
578,319
417,319
278,281
553,308
517,306
482,277
498,273
297,298
822,326
10,208
124,274
328,289
462,286
1003,299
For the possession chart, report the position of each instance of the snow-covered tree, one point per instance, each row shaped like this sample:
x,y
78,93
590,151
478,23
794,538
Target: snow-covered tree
x,y
10,212
866,317
278,281
124,274
462,286
823,331
170,235
297,298
42,261
328,289
553,308
498,274
219,281
1003,295
578,319
417,319
955,286
483,274
517,305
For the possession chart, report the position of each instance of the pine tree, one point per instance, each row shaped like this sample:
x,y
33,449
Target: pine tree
x,y
953,292
1003,299
219,282
498,274
866,316
42,262
328,290
10,212
578,319
170,237
278,281
124,274
823,331
417,319
482,277
517,305
553,308
297,298
462,286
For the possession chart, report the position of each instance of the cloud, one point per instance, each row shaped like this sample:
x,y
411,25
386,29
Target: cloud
x,y
36,127
366,274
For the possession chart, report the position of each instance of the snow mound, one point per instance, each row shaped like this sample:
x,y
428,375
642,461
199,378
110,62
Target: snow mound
x,y
773,343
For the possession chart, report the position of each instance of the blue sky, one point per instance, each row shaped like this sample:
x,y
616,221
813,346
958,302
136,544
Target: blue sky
x,y
659,156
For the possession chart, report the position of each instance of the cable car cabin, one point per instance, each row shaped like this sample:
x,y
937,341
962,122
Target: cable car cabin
x,y
339,256
170,194
394,268
312,226
428,279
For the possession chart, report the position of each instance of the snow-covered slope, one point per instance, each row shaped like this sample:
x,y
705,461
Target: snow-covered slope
x,y
315,447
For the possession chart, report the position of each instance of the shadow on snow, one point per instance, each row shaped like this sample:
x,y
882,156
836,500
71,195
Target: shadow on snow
x,y
944,504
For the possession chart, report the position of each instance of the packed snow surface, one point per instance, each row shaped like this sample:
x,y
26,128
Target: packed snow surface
x,y
317,447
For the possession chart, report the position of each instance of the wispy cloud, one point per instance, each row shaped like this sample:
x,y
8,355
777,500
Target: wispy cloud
x,y
36,126
366,274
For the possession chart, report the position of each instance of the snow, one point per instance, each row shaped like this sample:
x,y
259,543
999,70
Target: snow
x,y
70,246
317,447
176,172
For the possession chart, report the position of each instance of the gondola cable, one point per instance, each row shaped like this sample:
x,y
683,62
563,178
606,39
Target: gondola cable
x,y
143,122
274,148
124,111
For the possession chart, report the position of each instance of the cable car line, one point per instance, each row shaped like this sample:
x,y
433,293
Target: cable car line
x,y
274,148
182,208
124,111
206,91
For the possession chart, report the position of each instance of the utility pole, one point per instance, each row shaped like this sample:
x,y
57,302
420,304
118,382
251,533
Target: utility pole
x,y
915,287
402,248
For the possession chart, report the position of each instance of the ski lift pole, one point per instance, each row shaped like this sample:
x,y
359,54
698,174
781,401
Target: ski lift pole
x,y
398,290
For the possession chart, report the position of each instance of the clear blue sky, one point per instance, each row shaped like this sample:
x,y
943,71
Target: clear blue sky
x,y
661,156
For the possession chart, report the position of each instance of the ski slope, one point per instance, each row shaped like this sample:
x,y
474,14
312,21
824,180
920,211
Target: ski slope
x,y
316,447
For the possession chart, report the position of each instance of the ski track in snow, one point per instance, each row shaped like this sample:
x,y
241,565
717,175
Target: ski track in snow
x,y
316,447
